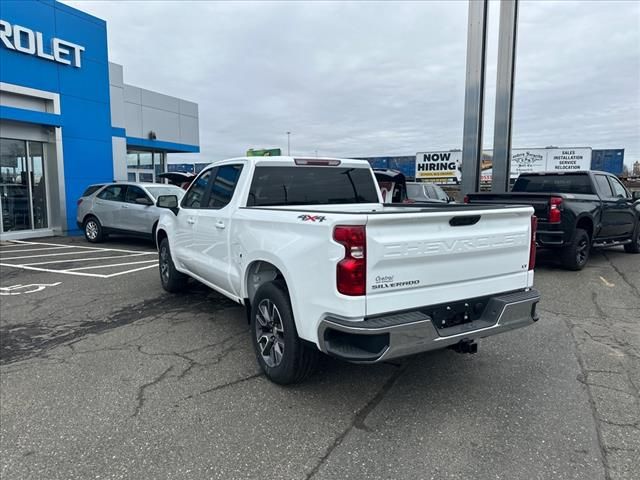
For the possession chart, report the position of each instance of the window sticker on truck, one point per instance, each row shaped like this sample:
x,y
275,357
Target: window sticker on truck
x,y
386,281
312,218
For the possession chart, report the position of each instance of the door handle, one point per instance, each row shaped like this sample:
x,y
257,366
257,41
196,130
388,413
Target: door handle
x,y
220,225
125,206
191,220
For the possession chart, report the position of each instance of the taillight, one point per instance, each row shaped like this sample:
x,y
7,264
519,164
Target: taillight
x,y
554,209
532,249
78,202
351,271
466,199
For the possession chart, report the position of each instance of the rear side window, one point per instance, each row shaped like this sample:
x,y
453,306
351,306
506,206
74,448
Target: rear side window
x,y
223,185
273,186
114,193
92,189
567,183
603,186
195,196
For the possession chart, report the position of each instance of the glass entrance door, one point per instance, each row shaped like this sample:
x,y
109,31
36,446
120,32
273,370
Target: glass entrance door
x,y
23,195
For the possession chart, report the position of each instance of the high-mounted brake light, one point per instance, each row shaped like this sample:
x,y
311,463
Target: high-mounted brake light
x,y
318,162
351,271
554,209
532,248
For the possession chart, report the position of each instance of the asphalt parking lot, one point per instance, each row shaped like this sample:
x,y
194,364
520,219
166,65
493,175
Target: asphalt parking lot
x,y
104,375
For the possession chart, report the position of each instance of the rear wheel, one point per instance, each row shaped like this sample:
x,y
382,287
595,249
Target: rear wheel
x,y
93,230
281,354
634,246
172,280
575,255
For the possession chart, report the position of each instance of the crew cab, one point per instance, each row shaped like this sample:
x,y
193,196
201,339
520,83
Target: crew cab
x,y
576,211
322,264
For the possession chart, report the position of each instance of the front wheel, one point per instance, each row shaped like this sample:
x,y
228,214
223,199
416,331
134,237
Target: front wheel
x,y
575,255
634,246
172,280
281,354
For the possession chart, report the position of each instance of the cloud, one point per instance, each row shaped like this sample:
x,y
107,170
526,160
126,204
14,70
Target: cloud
x,y
379,78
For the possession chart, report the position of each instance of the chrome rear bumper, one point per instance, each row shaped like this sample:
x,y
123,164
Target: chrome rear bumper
x,y
400,334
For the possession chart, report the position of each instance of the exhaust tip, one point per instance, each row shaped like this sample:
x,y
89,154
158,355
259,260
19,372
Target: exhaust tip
x,y
465,346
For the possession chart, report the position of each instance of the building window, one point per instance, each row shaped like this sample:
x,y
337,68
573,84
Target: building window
x,y
145,166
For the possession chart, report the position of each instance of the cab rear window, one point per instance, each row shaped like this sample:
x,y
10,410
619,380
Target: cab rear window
x,y
566,183
275,186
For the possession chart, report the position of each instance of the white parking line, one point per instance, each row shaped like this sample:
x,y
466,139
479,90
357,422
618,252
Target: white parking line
x,y
39,249
109,266
84,251
9,245
90,259
82,246
56,254
128,271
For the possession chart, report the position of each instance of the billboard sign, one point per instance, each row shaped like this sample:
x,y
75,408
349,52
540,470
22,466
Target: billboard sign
x,y
443,167
568,159
530,160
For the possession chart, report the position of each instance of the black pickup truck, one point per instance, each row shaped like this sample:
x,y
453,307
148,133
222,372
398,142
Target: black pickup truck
x,y
576,211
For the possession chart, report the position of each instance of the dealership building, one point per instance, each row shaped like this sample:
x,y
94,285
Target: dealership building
x,y
68,120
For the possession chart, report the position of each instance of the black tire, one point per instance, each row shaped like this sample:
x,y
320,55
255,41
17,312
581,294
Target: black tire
x,y
634,246
575,255
172,280
288,359
93,231
153,234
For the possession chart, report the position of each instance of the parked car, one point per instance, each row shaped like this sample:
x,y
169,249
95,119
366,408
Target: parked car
x,y
426,192
122,208
576,211
322,264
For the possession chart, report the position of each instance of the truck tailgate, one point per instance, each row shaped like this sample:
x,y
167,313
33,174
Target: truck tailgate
x,y
429,258
539,201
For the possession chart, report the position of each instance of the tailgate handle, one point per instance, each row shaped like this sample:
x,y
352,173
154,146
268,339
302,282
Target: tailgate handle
x,y
465,220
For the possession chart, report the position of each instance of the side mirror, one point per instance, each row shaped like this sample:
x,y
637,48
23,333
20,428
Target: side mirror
x,y
169,202
143,201
635,195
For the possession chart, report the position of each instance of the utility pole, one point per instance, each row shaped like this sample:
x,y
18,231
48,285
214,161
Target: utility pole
x,y
289,143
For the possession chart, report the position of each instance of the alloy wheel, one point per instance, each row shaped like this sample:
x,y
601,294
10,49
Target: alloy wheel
x,y
582,251
164,264
91,229
269,333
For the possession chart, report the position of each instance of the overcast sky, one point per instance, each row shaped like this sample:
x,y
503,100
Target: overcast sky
x,y
380,78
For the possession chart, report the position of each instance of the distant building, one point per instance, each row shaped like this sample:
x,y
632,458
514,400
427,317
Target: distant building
x,y
636,169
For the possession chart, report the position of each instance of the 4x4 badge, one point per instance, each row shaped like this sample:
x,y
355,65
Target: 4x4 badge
x,y
312,218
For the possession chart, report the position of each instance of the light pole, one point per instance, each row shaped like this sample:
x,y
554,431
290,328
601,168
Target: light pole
x,y
289,143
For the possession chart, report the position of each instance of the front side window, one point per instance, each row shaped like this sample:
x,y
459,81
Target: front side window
x,y
194,198
113,193
618,188
223,185
134,193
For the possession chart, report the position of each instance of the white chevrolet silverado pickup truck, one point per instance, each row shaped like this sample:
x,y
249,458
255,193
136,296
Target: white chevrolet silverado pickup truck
x,y
322,264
